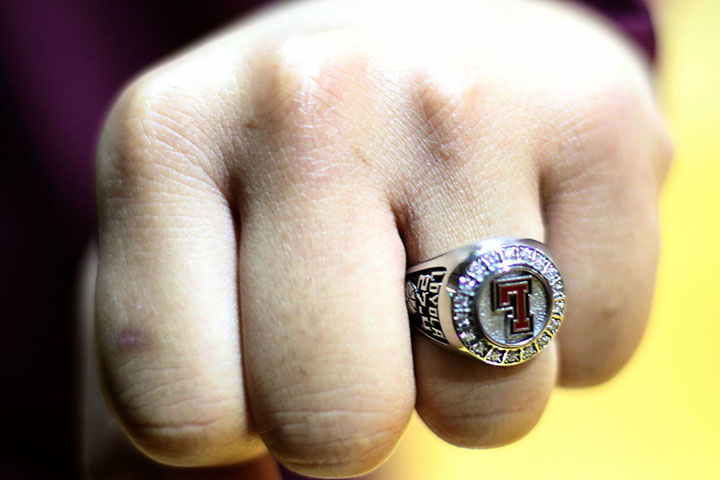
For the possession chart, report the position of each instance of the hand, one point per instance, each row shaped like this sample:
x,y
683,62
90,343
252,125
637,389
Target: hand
x,y
261,194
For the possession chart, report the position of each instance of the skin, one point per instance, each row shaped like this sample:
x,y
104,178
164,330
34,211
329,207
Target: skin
x,y
261,194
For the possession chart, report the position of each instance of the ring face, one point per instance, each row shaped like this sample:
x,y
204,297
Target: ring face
x,y
507,302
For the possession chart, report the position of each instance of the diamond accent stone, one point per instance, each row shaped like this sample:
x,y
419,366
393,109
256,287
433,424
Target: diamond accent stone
x,y
468,337
526,254
513,356
475,273
462,305
539,264
554,322
530,351
510,253
492,259
462,322
480,267
467,285
496,355
481,348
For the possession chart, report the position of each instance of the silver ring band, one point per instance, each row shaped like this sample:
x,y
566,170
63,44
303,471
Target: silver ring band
x,y
500,300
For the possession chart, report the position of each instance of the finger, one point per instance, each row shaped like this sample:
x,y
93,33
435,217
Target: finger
x,y
106,450
167,315
475,192
325,332
601,209
326,346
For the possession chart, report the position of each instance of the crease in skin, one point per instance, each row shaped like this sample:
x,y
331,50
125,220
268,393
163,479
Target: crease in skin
x,y
159,427
303,429
496,415
289,391
134,401
374,451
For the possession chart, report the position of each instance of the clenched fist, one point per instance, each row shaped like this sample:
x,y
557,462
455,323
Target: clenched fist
x,y
261,194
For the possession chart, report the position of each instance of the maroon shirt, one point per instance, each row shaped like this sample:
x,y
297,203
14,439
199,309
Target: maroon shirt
x,y
61,63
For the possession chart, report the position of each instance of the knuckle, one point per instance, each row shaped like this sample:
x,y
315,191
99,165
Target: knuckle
x,y
610,118
326,63
313,77
599,107
309,93
349,439
601,132
153,136
134,124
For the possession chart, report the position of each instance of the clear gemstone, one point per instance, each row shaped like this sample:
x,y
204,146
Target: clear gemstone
x,y
492,259
481,349
475,271
461,313
467,284
539,264
513,356
461,322
468,337
462,304
553,326
485,265
529,351
496,355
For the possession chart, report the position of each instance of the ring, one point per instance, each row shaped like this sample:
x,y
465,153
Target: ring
x,y
500,300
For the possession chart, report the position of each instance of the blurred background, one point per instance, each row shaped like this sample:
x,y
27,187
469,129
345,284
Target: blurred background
x,y
61,63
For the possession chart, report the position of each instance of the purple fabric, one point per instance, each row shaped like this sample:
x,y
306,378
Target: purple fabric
x,y
631,17
61,63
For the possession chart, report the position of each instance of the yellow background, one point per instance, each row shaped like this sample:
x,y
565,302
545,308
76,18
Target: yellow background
x,y
660,418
